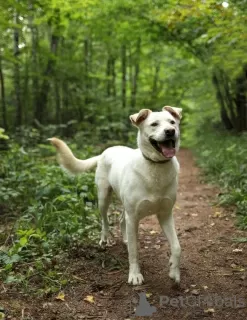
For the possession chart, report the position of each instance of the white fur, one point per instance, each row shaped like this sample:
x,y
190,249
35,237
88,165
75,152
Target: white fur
x,y
143,186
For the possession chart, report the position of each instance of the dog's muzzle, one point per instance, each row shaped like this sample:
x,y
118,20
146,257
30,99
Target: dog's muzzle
x,y
165,147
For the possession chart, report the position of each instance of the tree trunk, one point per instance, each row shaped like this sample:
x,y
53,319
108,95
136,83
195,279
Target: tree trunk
x,y
86,72
113,73
130,65
225,119
4,113
90,80
241,102
41,105
124,70
17,84
65,101
155,81
108,75
223,112
58,101
224,87
34,61
136,73
25,91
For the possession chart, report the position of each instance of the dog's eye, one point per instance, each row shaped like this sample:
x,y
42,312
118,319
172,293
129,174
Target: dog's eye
x,y
172,122
154,124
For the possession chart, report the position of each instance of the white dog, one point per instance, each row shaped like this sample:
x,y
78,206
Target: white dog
x,y
144,179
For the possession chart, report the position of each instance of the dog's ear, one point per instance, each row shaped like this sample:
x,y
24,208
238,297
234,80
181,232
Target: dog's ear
x,y
137,118
175,112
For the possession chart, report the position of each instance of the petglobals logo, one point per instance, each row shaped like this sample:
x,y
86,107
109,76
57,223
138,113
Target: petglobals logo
x,y
214,300
143,308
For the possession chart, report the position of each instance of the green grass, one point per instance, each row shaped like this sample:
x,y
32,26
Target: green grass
x,y
46,211
223,159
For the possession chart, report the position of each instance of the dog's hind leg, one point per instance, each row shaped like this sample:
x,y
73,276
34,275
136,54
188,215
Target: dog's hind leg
x,y
104,198
167,225
123,226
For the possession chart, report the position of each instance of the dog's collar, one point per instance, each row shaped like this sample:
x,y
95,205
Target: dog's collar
x,y
151,160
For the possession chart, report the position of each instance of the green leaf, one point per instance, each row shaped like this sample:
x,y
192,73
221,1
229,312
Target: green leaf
x,y
23,241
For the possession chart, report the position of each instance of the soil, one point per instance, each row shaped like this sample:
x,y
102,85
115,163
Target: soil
x,y
213,268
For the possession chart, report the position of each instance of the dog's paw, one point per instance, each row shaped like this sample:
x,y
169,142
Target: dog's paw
x,y
135,278
106,240
174,274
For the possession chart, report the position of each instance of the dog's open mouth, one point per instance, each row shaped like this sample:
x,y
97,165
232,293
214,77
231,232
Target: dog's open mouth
x,y
166,147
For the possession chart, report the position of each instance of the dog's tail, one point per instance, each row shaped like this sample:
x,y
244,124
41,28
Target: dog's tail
x,y
68,161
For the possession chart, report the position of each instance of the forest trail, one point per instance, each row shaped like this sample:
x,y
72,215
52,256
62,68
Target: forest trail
x,y
212,266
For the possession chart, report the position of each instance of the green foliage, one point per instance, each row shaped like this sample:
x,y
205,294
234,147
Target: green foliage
x,y
3,135
222,157
53,211
87,75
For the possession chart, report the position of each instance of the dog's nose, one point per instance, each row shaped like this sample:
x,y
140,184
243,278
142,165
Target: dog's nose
x,y
170,132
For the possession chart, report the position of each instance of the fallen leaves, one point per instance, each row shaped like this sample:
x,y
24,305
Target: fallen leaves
x,y
89,299
195,292
153,232
237,268
209,310
60,296
217,214
237,250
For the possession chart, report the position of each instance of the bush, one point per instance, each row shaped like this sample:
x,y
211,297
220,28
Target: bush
x,y
46,211
222,156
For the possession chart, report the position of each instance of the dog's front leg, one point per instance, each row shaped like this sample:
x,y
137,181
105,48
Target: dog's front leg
x,y
167,225
135,277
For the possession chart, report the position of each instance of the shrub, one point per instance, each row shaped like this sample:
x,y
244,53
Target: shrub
x,y
46,210
222,156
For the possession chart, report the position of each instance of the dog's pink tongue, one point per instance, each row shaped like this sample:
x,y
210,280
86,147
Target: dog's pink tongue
x,y
167,152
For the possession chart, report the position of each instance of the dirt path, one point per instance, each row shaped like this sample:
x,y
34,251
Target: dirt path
x,y
212,266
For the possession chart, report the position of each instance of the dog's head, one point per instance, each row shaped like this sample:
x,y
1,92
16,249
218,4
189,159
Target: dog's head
x,y
158,136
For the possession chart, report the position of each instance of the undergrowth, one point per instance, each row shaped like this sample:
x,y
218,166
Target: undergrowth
x,y
43,213
222,156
